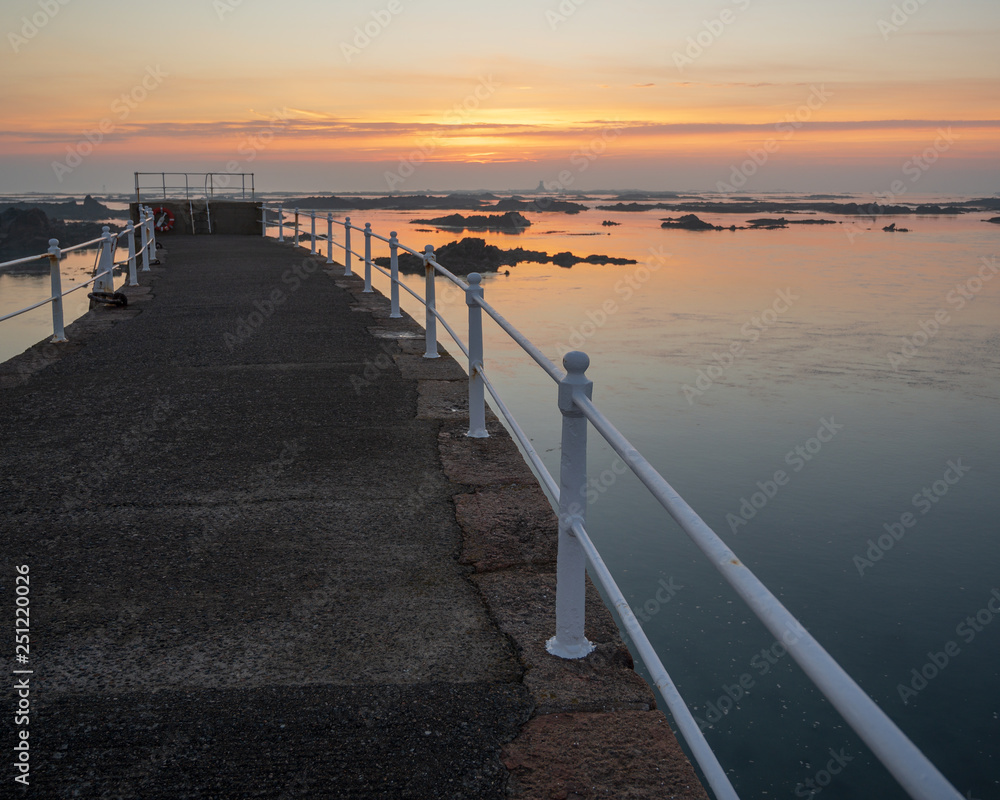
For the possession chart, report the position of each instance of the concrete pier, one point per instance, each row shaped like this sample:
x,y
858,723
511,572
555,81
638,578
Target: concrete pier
x,y
265,561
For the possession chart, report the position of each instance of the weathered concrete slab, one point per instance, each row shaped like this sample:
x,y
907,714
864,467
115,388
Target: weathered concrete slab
x,y
629,755
482,462
522,601
444,400
507,526
236,535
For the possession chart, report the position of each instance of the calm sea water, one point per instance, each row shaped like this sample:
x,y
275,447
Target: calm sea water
x,y
809,393
21,288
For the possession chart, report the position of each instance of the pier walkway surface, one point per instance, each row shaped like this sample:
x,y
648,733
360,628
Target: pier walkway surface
x,y
266,562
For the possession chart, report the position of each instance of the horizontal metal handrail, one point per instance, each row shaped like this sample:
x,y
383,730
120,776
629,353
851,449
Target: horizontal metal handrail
x,y
542,472
49,299
40,303
886,740
686,723
209,188
82,245
903,759
443,321
103,268
526,344
24,260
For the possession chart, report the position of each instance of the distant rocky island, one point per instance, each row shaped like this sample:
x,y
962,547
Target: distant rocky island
x,y
26,232
797,207
474,255
89,209
511,222
483,201
691,222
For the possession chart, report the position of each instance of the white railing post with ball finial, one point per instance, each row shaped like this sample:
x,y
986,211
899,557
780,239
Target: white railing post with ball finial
x,y
347,247
368,258
133,279
430,321
55,254
571,560
144,237
281,222
151,218
105,278
477,389
329,237
312,232
394,276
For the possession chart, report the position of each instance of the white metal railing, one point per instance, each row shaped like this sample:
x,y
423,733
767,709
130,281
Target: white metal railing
x,y
908,765
180,184
103,278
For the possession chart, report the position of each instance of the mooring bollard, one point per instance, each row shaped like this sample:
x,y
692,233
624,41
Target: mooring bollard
x,y
477,388
394,276
430,321
55,281
368,258
571,561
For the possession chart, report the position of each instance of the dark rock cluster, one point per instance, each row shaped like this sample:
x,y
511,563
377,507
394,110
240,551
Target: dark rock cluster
x,y
26,232
472,254
511,222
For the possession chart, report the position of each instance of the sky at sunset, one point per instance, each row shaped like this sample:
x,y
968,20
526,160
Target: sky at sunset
x,y
413,95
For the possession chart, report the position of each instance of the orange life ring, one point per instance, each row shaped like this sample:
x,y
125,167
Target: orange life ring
x,y
163,219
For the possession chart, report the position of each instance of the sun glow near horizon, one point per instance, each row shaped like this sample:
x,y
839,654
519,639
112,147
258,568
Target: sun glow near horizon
x,y
525,95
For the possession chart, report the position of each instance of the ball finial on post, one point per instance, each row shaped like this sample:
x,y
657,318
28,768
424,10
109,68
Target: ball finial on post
x,y
576,362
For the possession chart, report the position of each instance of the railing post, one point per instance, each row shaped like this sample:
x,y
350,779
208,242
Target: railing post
x,y
133,279
152,232
106,281
263,220
58,334
430,321
368,258
394,276
347,247
296,227
329,237
477,389
571,561
312,232
144,237
281,222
